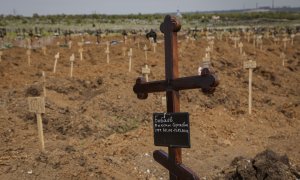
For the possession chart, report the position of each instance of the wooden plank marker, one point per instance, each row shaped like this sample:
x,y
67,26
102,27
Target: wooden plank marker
x,y
154,47
37,106
292,39
130,56
124,50
284,40
211,45
80,50
241,45
250,65
283,58
146,72
55,62
28,52
1,54
70,44
172,85
72,59
107,52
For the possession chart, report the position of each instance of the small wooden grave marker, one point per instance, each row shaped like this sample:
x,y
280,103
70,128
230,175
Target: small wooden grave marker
x,y
235,39
37,106
172,85
206,61
146,49
130,56
107,52
154,47
124,49
80,50
283,57
1,54
284,40
241,45
70,44
55,62
72,59
208,50
28,52
292,39
146,72
250,65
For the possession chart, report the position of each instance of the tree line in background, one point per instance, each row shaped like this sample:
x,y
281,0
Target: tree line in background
x,y
101,18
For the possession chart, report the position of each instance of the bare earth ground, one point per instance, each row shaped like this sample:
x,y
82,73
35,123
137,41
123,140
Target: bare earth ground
x,y
96,128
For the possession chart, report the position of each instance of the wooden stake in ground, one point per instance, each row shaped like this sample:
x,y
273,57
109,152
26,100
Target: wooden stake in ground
x,y
130,56
292,39
283,57
250,65
124,50
241,45
55,62
146,72
284,40
44,82
72,59
44,49
28,52
1,54
154,47
208,51
37,106
146,49
70,44
80,50
235,39
107,52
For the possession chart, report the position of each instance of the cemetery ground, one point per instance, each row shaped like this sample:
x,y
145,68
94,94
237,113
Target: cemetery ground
x,y
96,128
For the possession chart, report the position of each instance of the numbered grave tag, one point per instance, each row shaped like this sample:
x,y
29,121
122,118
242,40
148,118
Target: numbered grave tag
x,y
36,105
249,64
171,129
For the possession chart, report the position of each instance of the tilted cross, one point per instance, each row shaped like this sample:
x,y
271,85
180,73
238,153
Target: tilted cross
x,y
172,84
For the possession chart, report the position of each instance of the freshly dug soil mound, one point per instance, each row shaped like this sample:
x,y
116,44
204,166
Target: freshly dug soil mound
x,y
266,165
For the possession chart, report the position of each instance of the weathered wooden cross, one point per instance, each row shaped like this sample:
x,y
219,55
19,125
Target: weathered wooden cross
x,y
172,84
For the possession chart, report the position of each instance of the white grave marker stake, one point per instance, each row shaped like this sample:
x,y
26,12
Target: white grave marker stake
x,y
55,62
284,42
130,55
292,39
72,59
154,47
80,50
70,44
107,52
28,52
37,106
250,65
241,47
124,51
283,57
146,72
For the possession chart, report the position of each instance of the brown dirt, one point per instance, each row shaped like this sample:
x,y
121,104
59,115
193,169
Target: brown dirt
x,y
96,128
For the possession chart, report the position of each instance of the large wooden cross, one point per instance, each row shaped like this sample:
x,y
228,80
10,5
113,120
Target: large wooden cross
x,y
172,84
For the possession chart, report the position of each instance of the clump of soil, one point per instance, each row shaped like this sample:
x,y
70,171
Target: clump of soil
x,y
265,165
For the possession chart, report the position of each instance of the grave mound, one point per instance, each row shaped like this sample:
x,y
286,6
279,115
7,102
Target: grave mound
x,y
265,165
